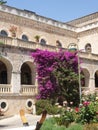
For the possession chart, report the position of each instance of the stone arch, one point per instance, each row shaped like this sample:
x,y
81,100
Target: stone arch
x,y
88,48
58,44
28,73
86,77
4,33
43,41
25,37
5,71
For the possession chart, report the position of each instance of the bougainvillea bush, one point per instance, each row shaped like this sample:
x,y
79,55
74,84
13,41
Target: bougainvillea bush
x,y
57,74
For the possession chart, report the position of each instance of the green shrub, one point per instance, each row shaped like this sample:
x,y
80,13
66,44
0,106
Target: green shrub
x,y
75,127
50,124
87,113
66,117
1,42
46,105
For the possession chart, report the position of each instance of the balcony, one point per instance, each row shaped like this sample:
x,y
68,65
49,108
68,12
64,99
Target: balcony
x,y
5,88
15,42
28,90
25,89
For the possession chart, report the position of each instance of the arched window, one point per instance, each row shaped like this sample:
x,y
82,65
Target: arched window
x,y
58,43
3,73
88,47
96,79
3,33
43,42
4,77
85,75
24,37
82,79
25,74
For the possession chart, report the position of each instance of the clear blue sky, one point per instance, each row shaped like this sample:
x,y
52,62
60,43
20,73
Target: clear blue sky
x,y
61,10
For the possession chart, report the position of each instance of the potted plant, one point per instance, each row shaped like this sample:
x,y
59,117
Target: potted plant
x,y
37,37
13,30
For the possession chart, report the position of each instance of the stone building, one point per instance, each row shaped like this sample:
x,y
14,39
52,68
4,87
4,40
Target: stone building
x,y
23,31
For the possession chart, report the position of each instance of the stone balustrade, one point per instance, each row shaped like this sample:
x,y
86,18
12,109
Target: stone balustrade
x,y
5,88
5,40
28,89
33,45
25,89
15,42
24,44
90,56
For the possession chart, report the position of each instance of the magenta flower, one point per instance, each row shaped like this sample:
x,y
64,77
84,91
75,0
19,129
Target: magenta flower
x,y
86,103
46,63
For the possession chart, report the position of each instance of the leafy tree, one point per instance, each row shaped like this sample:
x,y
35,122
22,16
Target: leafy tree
x,y
2,2
66,73
57,75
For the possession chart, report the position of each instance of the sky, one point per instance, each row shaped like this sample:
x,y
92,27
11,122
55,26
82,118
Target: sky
x,y
60,10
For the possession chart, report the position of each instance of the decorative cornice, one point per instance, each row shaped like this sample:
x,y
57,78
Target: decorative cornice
x,y
33,16
83,19
88,32
21,21
32,20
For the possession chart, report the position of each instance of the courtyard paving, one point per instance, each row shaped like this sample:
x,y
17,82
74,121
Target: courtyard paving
x,y
14,122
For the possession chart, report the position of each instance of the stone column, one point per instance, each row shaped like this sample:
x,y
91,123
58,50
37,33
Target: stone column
x,y
36,83
16,83
92,84
34,109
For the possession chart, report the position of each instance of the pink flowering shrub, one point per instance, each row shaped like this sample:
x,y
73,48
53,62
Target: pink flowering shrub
x,y
87,113
57,75
86,103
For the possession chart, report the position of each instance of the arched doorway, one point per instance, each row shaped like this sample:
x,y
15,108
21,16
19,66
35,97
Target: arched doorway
x,y
96,79
82,79
3,73
85,77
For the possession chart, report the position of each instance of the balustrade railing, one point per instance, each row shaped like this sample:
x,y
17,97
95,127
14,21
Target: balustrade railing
x,y
25,89
24,44
5,88
33,45
28,89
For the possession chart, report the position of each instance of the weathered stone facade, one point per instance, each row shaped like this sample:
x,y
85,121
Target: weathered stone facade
x,y
18,84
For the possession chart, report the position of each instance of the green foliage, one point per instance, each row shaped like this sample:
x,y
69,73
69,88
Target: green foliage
x,y
75,127
87,113
68,84
50,124
2,2
45,105
89,97
67,116
85,118
37,37
1,42
57,75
